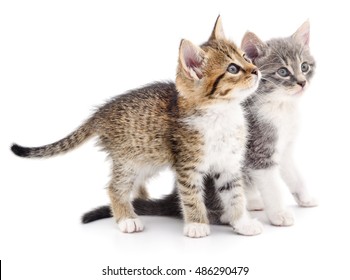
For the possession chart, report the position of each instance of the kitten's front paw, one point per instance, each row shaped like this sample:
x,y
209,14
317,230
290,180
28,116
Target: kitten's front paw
x,y
196,230
305,200
248,227
281,218
130,225
255,204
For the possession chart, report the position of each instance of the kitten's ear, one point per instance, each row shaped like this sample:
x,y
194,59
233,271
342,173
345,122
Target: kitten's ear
x,y
302,35
191,60
252,45
218,31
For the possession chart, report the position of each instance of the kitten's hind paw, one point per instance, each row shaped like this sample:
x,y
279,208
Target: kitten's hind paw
x,y
130,225
249,226
305,200
281,218
196,230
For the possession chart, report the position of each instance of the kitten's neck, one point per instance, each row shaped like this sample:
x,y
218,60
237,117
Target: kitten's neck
x,y
192,107
220,117
276,105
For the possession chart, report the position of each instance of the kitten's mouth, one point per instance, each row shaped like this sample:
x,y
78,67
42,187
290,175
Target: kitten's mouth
x,y
299,91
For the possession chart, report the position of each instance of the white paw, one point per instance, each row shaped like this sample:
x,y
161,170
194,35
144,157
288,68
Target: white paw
x,y
305,201
196,230
130,225
281,218
255,204
248,227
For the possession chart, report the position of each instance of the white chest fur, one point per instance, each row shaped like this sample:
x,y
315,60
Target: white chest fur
x,y
224,132
283,115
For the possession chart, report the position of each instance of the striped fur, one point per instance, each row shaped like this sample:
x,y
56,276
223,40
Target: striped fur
x,y
272,121
178,126
66,144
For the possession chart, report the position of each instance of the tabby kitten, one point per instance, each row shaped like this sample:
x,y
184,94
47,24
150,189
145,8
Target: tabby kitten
x,y
272,114
196,127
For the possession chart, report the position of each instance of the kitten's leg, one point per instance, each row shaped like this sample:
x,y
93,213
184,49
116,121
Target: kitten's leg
x,y
270,184
233,200
295,183
254,200
119,191
141,192
190,189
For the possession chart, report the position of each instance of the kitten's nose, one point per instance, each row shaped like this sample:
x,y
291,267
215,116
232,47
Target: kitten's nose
x,y
254,71
301,83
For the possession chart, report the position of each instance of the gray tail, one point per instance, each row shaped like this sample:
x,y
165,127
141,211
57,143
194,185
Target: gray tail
x,y
167,206
64,145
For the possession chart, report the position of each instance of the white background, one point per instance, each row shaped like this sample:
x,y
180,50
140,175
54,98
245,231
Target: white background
x,y
59,59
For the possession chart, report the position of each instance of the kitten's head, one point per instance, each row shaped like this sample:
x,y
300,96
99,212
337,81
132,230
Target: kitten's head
x,y
286,64
215,71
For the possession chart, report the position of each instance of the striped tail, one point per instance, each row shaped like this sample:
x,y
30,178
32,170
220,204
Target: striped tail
x,y
66,144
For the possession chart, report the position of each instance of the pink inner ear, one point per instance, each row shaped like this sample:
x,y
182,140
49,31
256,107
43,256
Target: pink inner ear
x,y
302,35
306,38
251,51
195,65
252,45
192,63
192,59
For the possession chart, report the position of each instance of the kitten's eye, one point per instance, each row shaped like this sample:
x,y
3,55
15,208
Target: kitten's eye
x,y
305,67
283,72
233,68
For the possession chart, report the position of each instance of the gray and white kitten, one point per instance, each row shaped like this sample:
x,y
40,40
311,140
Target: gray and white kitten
x,y
287,67
272,114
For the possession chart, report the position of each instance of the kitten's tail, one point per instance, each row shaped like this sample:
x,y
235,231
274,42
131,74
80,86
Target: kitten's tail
x,y
167,206
70,142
